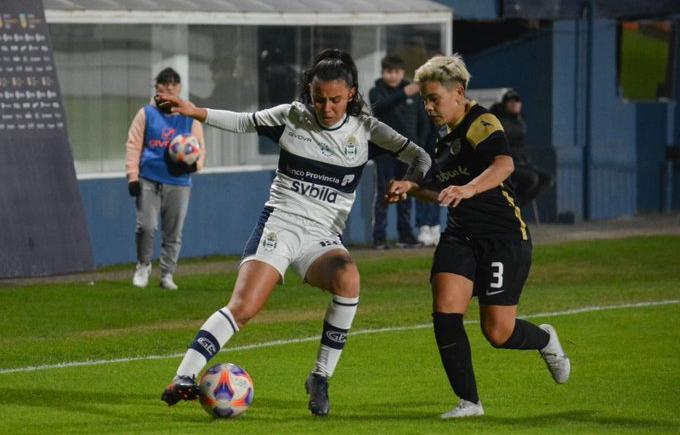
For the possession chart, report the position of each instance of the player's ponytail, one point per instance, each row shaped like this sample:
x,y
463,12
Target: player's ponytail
x,y
333,64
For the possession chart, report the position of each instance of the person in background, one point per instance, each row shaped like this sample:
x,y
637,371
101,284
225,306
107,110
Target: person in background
x,y
160,187
428,214
395,102
529,181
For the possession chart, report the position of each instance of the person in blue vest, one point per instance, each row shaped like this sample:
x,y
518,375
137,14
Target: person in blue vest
x,y
161,187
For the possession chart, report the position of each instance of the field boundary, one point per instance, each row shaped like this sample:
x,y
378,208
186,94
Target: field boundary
x,y
588,309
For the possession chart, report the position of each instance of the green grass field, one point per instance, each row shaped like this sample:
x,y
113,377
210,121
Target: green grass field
x,y
625,375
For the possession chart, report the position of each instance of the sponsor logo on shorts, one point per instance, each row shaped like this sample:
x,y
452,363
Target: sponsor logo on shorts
x,y
207,345
269,242
325,243
336,336
315,191
491,293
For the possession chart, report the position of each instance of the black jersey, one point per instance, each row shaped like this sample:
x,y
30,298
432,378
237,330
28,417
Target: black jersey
x,y
460,156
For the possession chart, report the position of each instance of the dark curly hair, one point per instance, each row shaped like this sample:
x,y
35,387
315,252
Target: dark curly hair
x,y
333,64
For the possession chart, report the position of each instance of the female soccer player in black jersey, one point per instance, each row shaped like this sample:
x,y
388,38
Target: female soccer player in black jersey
x,y
325,140
485,250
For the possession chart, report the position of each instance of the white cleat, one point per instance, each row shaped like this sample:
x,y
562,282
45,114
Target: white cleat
x,y
141,277
554,356
167,282
465,408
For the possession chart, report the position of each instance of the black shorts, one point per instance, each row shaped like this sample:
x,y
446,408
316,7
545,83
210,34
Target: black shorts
x,y
498,267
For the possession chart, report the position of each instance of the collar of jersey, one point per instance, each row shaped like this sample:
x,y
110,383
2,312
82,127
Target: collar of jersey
x,y
469,105
335,127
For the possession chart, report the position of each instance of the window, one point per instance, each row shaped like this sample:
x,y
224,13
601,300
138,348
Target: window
x,y
106,74
645,64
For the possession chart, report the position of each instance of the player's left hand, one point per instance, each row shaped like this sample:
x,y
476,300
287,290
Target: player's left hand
x,y
453,195
397,191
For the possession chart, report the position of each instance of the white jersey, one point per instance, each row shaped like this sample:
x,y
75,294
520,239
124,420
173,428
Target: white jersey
x,y
320,168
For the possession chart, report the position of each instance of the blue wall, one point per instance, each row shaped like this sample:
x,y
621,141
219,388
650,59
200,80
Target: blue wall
x,y
549,70
222,212
652,136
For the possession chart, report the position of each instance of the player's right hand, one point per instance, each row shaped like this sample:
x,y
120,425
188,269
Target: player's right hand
x,y
134,188
397,191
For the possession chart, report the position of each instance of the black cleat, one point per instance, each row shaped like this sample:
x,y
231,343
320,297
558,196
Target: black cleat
x,y
317,388
181,388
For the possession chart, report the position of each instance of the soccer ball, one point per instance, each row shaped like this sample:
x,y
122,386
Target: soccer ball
x,y
226,390
184,148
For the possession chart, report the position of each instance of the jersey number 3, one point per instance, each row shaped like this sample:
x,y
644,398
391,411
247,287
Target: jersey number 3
x,y
497,274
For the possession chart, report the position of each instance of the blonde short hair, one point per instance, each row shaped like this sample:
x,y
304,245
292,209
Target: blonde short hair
x,y
444,69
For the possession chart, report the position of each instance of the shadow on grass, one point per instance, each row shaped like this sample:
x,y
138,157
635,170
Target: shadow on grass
x,y
421,411
117,406
585,416
103,404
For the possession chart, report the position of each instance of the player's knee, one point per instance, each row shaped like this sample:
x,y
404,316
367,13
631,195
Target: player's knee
x,y
242,313
346,280
146,228
496,335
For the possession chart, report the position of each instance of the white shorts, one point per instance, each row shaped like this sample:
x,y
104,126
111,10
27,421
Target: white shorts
x,y
282,239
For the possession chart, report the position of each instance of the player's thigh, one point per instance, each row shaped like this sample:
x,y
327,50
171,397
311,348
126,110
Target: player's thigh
x,y
255,282
335,272
453,274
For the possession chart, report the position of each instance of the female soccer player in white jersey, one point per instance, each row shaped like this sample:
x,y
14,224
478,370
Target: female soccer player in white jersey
x,y
325,140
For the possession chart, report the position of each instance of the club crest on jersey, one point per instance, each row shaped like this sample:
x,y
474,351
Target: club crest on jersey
x,y
269,242
351,148
455,147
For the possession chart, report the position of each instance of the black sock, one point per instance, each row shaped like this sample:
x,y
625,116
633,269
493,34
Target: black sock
x,y
526,335
454,349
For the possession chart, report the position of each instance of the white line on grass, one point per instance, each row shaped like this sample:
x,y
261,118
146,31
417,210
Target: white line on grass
x,y
316,337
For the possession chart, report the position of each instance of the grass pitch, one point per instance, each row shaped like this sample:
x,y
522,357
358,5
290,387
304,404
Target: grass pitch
x,y
625,376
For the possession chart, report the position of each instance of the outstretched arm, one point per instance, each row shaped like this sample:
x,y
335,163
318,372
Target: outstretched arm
x,y
389,140
493,176
398,190
175,104
235,122
499,170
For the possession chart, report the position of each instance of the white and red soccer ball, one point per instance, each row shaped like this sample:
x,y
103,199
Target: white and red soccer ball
x,y
226,390
184,148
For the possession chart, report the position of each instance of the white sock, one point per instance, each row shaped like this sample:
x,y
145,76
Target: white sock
x,y
214,334
336,325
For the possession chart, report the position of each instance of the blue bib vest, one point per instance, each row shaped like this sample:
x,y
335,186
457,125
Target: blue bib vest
x,y
158,132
